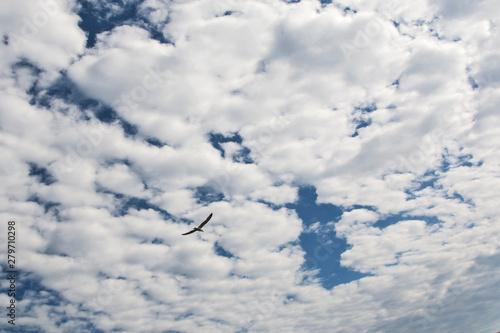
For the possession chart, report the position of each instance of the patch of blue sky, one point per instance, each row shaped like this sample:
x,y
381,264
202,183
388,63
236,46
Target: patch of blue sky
x,y
63,88
473,84
184,316
241,156
404,216
361,123
242,330
220,251
216,139
27,287
155,142
270,204
323,253
32,295
367,207
41,174
459,197
445,163
99,17
227,13
323,248
436,34
207,195
48,206
155,241
25,63
112,162
348,10
79,324
142,204
261,68
465,160
22,328
431,177
309,211
366,109
428,180
33,90
129,202
362,117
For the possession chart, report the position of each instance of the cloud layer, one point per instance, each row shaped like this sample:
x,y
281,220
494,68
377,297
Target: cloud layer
x,y
124,126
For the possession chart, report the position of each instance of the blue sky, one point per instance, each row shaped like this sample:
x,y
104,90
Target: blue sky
x,y
347,149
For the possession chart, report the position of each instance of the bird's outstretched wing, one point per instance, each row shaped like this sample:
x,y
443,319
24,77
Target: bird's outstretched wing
x,y
206,221
200,226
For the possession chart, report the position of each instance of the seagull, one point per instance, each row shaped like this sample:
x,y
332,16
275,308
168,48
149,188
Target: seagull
x,y
200,226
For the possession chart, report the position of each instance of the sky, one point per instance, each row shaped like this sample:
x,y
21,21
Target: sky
x,y
348,151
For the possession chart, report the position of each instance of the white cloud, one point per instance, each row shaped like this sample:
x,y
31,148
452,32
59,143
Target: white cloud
x,y
45,32
120,179
389,110
278,195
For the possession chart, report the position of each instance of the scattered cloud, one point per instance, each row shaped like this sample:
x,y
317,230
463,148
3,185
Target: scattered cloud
x,y
347,150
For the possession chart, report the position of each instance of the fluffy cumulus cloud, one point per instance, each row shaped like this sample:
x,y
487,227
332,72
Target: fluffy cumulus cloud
x,y
347,150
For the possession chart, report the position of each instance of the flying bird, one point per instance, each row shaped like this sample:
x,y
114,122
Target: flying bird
x,y
200,226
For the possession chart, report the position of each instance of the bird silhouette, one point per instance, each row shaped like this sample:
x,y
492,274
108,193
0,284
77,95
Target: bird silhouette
x,y
198,228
